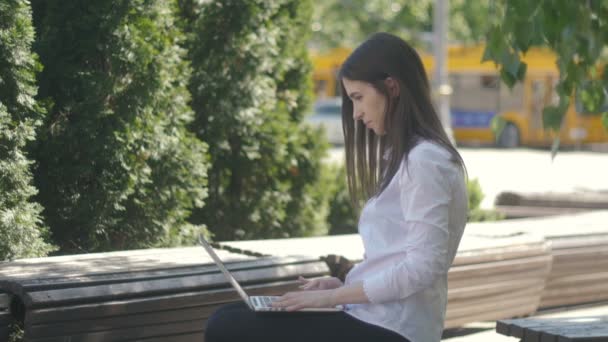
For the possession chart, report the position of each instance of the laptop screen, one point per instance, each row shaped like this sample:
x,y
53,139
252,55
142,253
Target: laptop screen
x,y
224,270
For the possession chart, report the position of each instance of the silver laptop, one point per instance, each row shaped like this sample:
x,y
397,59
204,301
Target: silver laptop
x,y
255,303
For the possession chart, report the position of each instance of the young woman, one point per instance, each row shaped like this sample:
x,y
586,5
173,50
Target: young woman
x,y
400,160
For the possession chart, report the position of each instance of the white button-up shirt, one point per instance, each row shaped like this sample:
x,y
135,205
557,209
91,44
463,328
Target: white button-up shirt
x,y
410,234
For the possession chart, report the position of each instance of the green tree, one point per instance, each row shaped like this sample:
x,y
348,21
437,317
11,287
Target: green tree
x,y
348,22
117,167
22,233
576,31
251,88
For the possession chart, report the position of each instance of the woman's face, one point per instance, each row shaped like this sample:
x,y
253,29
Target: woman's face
x,y
369,105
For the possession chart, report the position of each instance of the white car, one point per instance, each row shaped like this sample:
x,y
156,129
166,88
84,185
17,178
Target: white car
x,y
327,113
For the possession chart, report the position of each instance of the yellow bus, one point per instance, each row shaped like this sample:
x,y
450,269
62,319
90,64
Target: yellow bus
x,y
483,110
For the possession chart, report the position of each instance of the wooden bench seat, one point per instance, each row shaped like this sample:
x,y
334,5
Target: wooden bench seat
x,y
493,276
522,205
579,248
558,329
496,276
157,294
561,200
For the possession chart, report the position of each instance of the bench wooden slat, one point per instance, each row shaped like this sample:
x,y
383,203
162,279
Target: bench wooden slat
x,y
589,265
586,294
142,332
586,240
39,284
112,262
489,268
566,200
148,305
578,279
181,284
5,317
121,322
556,329
190,337
475,256
518,211
583,252
499,278
478,290
496,302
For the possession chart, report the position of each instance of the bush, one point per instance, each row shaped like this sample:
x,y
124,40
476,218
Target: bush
x,y
475,197
117,167
22,233
343,218
251,87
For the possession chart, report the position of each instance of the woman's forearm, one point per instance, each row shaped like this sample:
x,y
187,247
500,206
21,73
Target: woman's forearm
x,y
349,294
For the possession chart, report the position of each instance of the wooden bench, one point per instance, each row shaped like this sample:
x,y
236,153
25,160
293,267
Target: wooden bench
x,y
522,205
560,329
574,200
496,276
580,270
493,276
156,294
579,247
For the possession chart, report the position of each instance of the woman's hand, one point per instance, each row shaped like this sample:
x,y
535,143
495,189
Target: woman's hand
x,y
293,301
324,283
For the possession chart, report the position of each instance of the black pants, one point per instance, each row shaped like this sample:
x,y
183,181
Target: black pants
x,y
235,322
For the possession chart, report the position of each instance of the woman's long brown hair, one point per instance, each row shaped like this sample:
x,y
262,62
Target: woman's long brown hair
x,y
409,116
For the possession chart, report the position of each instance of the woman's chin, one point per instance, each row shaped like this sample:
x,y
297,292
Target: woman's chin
x,y
378,132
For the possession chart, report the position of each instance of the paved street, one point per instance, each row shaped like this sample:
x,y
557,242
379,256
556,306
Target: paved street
x,y
528,170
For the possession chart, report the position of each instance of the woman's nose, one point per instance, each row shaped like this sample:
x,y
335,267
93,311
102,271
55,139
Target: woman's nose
x,y
357,115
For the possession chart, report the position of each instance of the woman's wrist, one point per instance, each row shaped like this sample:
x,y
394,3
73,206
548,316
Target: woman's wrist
x,y
333,297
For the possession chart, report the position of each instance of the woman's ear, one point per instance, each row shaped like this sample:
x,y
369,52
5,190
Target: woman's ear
x,y
393,86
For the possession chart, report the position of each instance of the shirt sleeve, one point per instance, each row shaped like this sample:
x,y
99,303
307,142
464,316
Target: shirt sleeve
x,y
425,195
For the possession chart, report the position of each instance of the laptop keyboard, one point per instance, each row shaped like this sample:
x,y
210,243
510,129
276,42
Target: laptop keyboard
x,y
263,301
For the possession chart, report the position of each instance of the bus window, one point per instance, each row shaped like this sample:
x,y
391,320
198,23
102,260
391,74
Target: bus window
x,y
474,100
489,81
511,99
469,93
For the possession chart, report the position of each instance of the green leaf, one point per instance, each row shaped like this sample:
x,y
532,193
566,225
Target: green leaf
x,y
510,62
554,147
508,78
524,34
605,120
592,96
488,54
521,71
552,117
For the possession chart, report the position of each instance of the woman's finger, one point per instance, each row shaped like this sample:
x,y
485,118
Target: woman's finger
x,y
295,307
